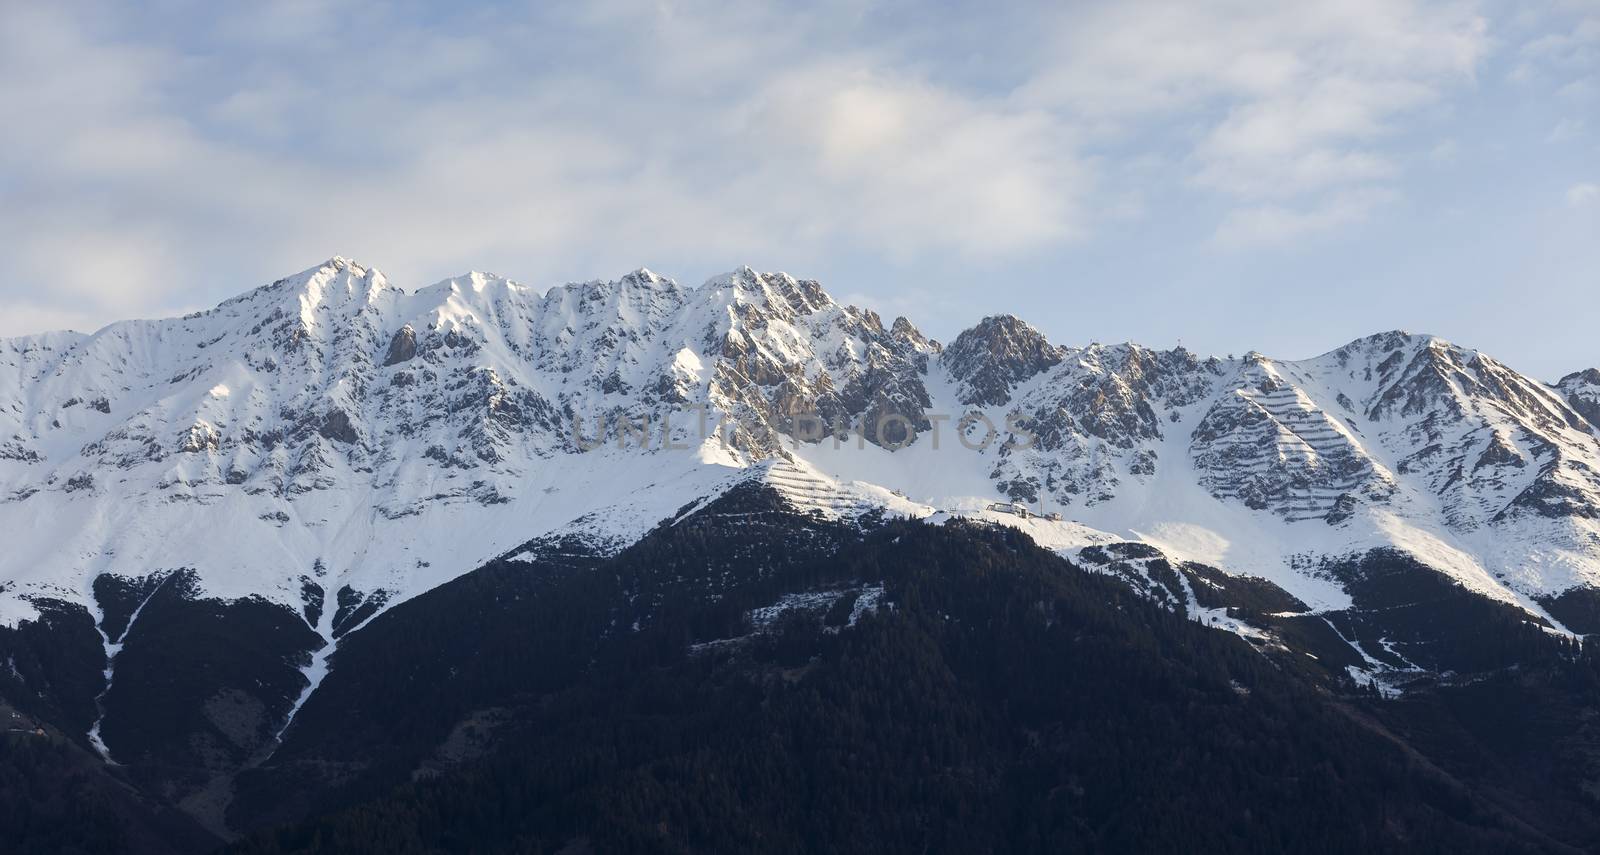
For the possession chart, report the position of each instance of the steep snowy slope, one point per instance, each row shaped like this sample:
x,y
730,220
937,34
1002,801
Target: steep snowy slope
x,y
332,435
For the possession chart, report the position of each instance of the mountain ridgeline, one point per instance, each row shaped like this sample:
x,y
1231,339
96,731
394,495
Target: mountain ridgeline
x,y
631,566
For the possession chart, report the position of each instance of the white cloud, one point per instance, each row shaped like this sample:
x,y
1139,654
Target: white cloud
x,y
694,132
1583,194
1579,45
553,142
1257,225
913,167
1581,89
1567,130
1564,52
1289,102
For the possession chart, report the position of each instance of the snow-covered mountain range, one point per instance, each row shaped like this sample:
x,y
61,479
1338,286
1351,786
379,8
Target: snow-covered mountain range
x,y
332,434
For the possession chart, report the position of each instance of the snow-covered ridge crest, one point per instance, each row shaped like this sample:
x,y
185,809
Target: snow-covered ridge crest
x,y
336,428
395,439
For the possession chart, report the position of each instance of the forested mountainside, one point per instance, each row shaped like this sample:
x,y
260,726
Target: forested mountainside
x,y
753,678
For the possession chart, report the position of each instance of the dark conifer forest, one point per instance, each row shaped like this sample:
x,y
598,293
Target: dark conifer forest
x,y
951,688
999,700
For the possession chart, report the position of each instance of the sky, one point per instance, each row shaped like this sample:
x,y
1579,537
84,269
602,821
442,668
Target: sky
x,y
1231,176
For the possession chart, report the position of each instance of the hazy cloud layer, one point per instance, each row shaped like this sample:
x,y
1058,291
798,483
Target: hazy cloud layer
x,y
1077,164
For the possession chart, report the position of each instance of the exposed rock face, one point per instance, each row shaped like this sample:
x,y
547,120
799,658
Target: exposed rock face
x,y
905,332
790,352
1582,391
16,448
1097,418
402,347
1267,444
336,425
992,357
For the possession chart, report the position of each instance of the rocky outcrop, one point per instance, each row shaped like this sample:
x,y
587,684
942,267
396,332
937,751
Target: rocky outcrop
x,y
991,358
793,363
1582,392
402,347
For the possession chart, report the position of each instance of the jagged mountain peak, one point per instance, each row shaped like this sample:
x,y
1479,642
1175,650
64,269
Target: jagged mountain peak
x,y
1412,374
336,280
339,275
746,279
644,277
472,280
991,357
640,279
1384,341
780,293
905,331
1586,377
1582,392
